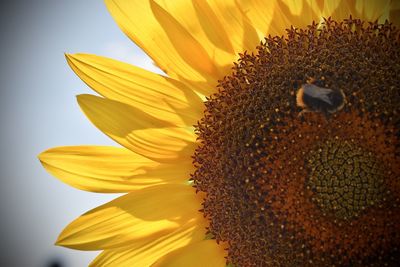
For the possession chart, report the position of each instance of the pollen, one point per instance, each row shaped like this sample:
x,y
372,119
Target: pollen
x,y
321,189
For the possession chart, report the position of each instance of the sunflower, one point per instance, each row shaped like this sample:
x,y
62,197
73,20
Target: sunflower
x,y
272,140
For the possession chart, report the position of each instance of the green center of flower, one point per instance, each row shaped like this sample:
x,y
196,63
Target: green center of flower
x,y
345,178
299,151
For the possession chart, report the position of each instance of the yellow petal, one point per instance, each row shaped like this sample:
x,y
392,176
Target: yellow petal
x,y
212,25
373,10
147,252
164,39
140,216
365,10
110,169
394,13
138,131
260,14
168,145
285,14
203,253
244,34
154,94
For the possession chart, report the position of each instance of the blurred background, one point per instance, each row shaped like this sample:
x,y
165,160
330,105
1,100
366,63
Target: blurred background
x,y
38,110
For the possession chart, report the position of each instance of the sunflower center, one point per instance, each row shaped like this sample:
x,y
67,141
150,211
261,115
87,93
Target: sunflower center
x,y
345,178
299,150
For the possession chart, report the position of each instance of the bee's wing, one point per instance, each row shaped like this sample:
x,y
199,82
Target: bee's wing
x,y
323,94
318,92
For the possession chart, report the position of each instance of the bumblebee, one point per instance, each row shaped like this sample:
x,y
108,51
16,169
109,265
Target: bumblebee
x,y
313,98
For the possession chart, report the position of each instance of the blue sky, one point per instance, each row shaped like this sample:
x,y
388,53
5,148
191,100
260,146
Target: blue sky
x,y
38,110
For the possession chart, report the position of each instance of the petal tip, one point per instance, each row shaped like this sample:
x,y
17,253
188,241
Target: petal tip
x,y
81,98
44,156
60,241
69,57
75,58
